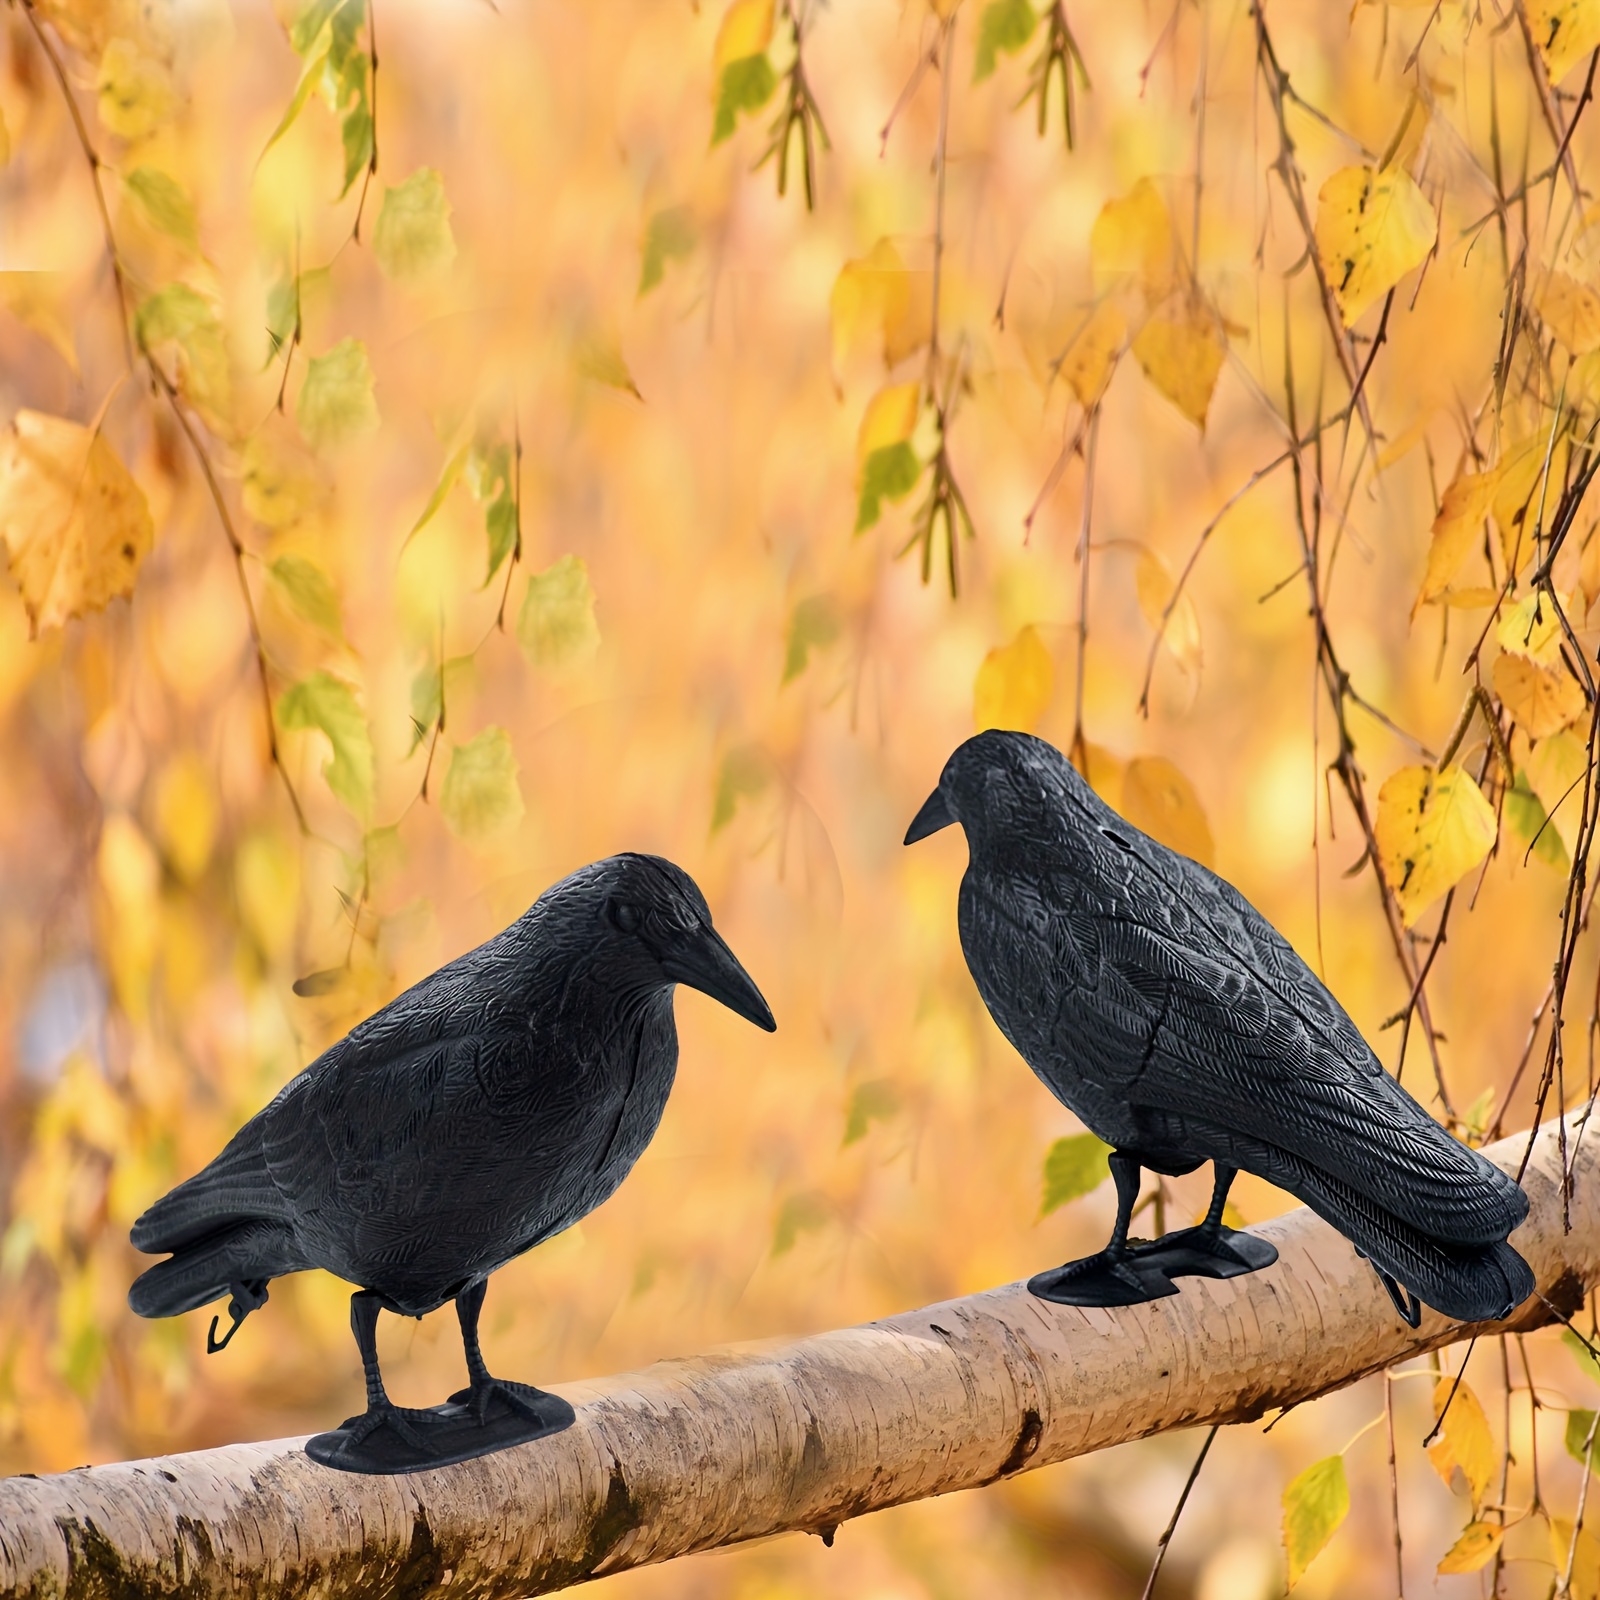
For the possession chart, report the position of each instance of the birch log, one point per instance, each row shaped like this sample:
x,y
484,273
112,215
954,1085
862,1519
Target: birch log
x,y
800,1436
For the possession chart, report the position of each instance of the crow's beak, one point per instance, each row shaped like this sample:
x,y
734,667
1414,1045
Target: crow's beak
x,y
933,816
705,963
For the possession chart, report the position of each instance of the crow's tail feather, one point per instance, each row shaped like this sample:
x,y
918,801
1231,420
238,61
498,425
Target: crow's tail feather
x,y
210,1268
1477,1283
235,1188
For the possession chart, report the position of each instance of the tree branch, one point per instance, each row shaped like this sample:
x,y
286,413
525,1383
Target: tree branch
x,y
697,1453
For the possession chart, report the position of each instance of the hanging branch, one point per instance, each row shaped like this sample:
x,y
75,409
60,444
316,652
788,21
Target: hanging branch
x,y
798,115
1059,56
179,411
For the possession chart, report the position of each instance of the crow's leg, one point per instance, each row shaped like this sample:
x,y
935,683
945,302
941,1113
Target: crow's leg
x,y
1115,1277
484,1386
1209,1250
381,1411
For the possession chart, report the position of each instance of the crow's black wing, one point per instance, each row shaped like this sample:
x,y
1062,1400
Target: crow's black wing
x,y
1236,1030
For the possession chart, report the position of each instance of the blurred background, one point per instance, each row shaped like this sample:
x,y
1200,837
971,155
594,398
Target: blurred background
x,y
569,493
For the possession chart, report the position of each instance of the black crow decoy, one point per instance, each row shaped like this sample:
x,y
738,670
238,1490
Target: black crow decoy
x,y
1158,1004
488,1107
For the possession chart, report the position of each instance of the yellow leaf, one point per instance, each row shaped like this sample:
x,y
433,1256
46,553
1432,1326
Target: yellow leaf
x,y
746,30
1542,700
184,807
1160,801
1014,684
1589,572
1092,355
1531,627
480,798
557,624
1182,635
336,402
76,525
1555,774
890,418
1104,772
412,238
1181,350
135,90
1526,493
1433,828
878,297
1478,598
38,300
1464,1441
281,482
1132,239
1372,229
1314,1504
1456,531
266,881
1571,311
1565,31
1474,1549
130,875
1585,1558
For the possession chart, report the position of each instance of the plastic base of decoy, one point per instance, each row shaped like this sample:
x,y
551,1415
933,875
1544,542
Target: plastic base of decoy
x,y
1194,1253
1102,1281
443,1434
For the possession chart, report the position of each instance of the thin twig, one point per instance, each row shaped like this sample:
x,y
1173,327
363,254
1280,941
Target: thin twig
x,y
1177,1511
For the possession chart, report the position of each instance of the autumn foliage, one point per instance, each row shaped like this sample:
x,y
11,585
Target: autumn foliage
x,y
444,445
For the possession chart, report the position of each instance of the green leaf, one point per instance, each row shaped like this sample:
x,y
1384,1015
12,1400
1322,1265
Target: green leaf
x,y
600,358
800,1213
309,591
336,402
427,704
178,317
1582,1354
343,40
1526,814
328,706
1073,1166
745,772
746,85
1314,1505
813,626
309,79
283,314
670,235
356,135
412,238
1577,1437
480,798
441,492
500,522
887,474
876,1100
307,27
1005,25
164,203
556,624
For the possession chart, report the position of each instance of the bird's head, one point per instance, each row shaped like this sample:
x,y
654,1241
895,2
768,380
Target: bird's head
x,y
653,914
1002,783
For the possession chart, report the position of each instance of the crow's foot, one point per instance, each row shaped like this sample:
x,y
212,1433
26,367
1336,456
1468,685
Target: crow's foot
x,y
518,1399
1206,1253
1103,1280
357,1439
470,1423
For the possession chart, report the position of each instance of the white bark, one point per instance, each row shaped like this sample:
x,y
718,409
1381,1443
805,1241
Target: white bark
x,y
738,1444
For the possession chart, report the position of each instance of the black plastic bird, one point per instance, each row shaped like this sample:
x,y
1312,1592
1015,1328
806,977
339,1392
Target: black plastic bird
x,y
488,1107
1154,1000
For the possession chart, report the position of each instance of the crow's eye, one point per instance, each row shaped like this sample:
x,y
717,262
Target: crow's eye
x,y
624,916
